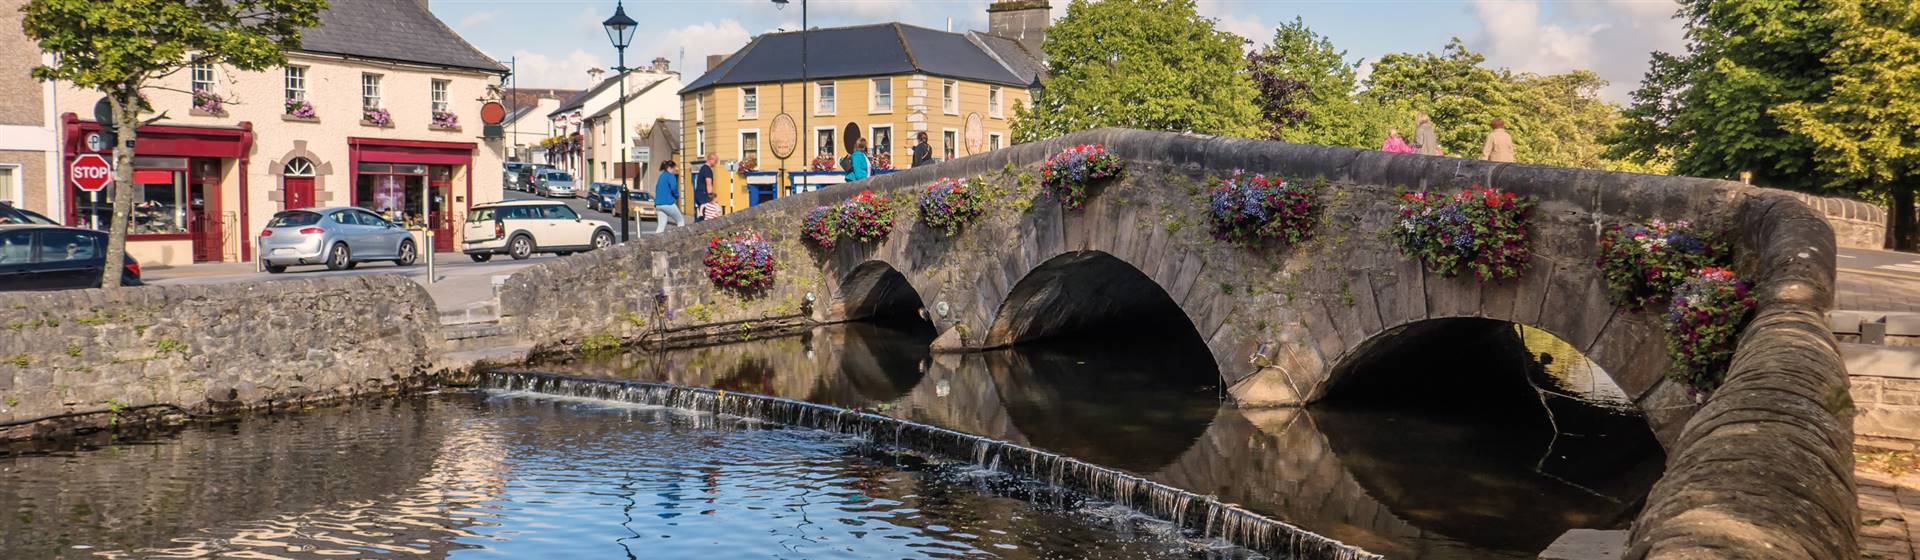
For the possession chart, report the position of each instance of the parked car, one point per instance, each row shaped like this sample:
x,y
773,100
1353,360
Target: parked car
x,y
11,215
520,228
554,183
641,204
340,238
41,257
605,197
510,173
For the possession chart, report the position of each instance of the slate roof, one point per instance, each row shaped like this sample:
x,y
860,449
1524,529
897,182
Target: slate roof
x,y
395,30
1027,65
868,50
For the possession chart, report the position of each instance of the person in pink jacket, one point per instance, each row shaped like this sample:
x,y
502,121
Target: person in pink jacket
x,y
1395,144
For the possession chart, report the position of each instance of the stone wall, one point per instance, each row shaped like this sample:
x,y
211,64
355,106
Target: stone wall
x,y
1768,454
1856,224
206,349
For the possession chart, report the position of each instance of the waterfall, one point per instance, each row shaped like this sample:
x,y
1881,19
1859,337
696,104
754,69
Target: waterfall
x,y
1228,522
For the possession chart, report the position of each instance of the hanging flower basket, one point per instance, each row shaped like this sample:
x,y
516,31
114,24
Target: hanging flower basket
x,y
824,162
1703,325
743,263
1253,210
1479,229
1068,174
445,120
376,117
1643,263
301,109
820,227
747,166
208,102
950,204
866,217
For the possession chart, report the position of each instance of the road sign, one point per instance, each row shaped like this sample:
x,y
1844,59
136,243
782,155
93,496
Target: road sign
x,y
91,172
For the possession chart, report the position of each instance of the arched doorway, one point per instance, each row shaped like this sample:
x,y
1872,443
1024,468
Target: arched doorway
x,y
296,183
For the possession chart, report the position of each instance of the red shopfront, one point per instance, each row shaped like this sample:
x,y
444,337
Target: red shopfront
x,y
178,175
412,181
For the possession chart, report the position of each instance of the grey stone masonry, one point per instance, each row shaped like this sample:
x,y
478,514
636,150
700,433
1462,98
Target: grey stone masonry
x,y
1760,469
206,349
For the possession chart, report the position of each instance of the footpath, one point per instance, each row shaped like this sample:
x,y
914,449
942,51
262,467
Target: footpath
x,y
1876,308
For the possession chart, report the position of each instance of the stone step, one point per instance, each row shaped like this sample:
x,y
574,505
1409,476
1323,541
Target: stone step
x,y
482,312
470,336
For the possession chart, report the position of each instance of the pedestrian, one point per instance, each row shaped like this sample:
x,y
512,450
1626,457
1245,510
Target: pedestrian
x,y
703,185
666,199
1394,144
922,152
1499,146
1426,141
857,166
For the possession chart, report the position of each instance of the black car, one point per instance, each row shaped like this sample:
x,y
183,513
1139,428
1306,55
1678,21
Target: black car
x,y
11,215
34,257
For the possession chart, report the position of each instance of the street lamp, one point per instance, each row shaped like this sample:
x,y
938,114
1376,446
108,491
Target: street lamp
x,y
620,30
806,89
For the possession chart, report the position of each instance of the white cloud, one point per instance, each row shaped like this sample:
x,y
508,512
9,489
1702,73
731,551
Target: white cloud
x,y
542,71
1251,27
699,40
476,20
1613,38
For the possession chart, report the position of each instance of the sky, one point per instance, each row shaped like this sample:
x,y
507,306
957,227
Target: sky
x,y
555,42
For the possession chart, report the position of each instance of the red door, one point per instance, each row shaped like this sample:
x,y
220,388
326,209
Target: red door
x,y
299,192
442,220
203,194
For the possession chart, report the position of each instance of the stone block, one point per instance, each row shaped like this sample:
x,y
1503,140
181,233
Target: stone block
x,y
1452,297
1903,324
1587,544
1633,351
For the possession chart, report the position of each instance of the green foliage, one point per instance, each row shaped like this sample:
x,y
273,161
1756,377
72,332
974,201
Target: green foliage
x,y
1307,93
601,343
167,346
73,350
21,360
12,401
1147,64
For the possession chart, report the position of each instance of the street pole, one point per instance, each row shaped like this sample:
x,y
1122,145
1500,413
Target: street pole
x,y
806,97
625,145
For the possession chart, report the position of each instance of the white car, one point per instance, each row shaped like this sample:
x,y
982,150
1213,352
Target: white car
x,y
520,228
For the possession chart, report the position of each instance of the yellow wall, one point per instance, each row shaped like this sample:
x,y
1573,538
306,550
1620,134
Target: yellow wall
x,y
722,122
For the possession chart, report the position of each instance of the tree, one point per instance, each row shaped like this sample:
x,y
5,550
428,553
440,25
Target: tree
x,y
1452,87
1307,93
1866,131
119,48
1559,119
1150,64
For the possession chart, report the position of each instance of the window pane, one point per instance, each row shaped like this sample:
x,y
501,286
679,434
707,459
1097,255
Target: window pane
x,y
376,167
159,162
294,219
404,169
6,186
559,212
63,245
160,207
16,247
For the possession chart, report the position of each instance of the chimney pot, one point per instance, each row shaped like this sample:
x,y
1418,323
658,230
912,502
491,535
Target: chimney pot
x,y
714,60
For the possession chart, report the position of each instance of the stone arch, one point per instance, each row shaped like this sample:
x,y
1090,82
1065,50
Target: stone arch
x,y
321,170
874,289
1080,290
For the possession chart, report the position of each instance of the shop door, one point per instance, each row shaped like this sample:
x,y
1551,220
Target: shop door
x,y
299,192
204,223
439,180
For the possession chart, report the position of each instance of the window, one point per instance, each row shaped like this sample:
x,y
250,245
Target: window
x,y
159,197
823,141
699,109
993,141
558,212
882,95
881,142
58,245
749,103
10,190
949,144
700,140
294,218
16,247
993,103
203,78
440,96
823,98
949,97
750,145
370,91
297,167
297,82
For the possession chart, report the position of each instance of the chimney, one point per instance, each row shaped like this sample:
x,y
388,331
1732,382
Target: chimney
x,y
714,60
423,4
660,65
1021,20
594,74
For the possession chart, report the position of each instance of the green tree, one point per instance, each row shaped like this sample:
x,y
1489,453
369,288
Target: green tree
x,y
1453,88
1307,93
122,47
1149,64
1866,131
1559,119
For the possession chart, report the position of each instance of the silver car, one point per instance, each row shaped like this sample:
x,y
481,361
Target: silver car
x,y
554,182
340,238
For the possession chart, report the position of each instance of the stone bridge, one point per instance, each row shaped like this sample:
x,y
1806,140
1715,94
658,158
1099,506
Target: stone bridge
x,y
1760,469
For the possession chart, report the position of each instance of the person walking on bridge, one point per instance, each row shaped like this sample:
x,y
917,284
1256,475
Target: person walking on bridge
x,y
1426,141
922,152
1499,146
857,166
666,199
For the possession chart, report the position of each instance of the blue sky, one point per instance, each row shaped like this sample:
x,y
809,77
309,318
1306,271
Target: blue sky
x,y
556,41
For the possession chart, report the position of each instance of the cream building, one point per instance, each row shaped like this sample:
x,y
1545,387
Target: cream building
x,y
653,95
379,108
29,139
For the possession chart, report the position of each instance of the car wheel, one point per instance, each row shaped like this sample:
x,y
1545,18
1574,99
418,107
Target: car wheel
x,y
602,239
276,268
341,258
480,257
520,248
408,254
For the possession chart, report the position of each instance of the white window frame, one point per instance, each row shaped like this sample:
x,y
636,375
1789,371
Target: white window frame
x,y
950,97
817,144
873,133
874,97
993,141
295,79
699,109
950,143
370,91
438,95
749,112
203,73
996,103
15,193
742,146
826,99
700,139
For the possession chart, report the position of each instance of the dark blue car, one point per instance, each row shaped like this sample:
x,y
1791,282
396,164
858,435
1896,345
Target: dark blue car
x,y
605,197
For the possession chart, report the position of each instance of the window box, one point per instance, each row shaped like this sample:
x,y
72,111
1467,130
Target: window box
x,y
291,118
377,118
445,120
299,110
208,104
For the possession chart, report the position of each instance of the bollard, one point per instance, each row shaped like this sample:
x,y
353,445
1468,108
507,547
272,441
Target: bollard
x,y
430,276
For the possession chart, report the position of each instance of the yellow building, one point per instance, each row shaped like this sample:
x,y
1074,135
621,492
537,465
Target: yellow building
x,y
885,83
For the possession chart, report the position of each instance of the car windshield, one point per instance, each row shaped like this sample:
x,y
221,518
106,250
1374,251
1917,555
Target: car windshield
x,y
294,219
479,214
558,176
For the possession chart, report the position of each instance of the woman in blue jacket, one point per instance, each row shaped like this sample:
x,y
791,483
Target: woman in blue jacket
x,y
858,168
666,199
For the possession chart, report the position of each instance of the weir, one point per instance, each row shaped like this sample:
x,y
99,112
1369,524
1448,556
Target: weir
x,y
1201,515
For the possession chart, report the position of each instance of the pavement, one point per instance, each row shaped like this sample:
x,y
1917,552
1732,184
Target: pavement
x,y
1889,504
1878,281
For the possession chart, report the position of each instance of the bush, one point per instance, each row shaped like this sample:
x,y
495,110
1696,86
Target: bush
x,y
866,217
1481,229
740,263
950,204
1068,173
1703,325
1643,263
1252,210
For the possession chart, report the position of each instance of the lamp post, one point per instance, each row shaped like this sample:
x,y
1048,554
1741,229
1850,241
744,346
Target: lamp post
x,y
806,90
620,30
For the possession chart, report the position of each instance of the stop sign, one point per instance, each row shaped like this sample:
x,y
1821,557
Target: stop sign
x,y
91,172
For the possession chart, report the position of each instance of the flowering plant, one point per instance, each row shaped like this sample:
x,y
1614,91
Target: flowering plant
x,y
207,101
1703,322
866,217
747,165
445,120
951,203
821,226
1644,262
882,159
1250,210
376,116
300,109
1480,228
823,162
1068,173
743,263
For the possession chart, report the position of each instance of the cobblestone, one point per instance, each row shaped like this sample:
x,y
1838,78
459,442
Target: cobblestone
x,y
1889,513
